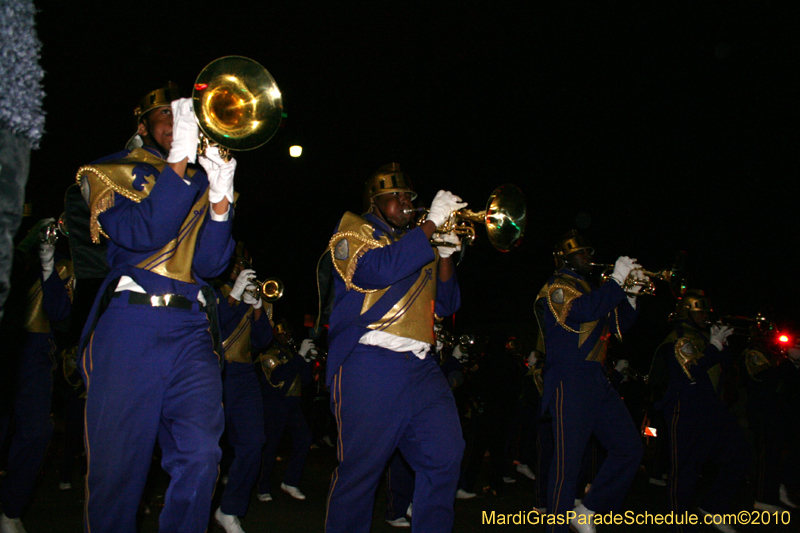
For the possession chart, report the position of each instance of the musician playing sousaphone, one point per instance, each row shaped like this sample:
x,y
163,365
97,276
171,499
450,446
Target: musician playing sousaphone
x,y
387,391
576,321
147,355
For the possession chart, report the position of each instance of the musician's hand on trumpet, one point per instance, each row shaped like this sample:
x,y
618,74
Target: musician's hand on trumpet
x,y
452,244
443,205
243,280
622,269
185,134
719,335
220,175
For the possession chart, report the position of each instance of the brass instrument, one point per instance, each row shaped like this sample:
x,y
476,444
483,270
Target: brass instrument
x,y
269,290
638,277
753,328
49,234
237,104
504,217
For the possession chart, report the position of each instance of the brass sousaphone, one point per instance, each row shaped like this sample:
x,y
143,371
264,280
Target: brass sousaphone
x,y
237,104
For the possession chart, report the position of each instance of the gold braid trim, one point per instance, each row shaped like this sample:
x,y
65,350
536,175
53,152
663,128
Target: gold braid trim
x,y
561,321
347,276
105,200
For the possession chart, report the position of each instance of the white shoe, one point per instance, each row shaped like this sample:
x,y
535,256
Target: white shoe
x,y
64,485
509,480
294,492
768,507
399,522
582,523
784,497
224,479
461,494
266,497
408,511
11,525
724,528
230,523
656,481
526,471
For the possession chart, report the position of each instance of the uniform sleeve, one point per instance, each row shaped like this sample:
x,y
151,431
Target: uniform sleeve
x,y
597,304
229,315
214,248
261,332
448,297
627,314
382,267
154,221
55,298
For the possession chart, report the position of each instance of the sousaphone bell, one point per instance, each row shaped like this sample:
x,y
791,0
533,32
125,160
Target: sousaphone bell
x,y
237,104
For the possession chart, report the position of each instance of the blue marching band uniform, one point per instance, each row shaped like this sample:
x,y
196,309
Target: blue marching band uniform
x,y
48,300
285,373
244,335
700,426
576,322
148,358
385,400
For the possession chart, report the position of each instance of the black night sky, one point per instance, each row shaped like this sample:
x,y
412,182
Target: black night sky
x,y
653,127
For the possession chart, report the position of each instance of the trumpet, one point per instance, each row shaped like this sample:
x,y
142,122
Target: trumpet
x,y
237,104
504,217
269,290
49,234
638,277
753,328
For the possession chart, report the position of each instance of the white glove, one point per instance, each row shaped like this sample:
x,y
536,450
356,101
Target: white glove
x,y
622,268
47,257
305,347
242,281
443,204
719,336
249,299
447,251
621,365
220,175
185,133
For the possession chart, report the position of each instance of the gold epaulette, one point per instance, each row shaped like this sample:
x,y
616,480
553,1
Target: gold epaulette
x,y
353,239
756,362
559,296
689,348
270,360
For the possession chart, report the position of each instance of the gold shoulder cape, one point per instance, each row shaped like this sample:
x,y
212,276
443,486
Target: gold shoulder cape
x,y
102,180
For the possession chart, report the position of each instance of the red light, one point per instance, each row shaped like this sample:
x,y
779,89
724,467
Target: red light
x,y
783,339
200,86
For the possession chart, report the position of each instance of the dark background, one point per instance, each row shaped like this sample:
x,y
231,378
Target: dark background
x,y
652,127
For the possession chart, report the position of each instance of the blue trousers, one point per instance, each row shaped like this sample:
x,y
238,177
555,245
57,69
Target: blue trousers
x,y
399,487
585,404
151,373
384,401
33,427
244,429
284,414
698,433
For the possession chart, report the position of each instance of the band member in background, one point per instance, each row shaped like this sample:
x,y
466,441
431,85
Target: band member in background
x,y
700,425
389,283
41,296
246,328
287,370
147,352
576,321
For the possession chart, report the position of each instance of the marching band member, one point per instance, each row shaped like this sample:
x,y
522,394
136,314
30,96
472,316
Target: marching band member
x,y
700,426
147,351
389,283
287,370
49,286
576,321
245,326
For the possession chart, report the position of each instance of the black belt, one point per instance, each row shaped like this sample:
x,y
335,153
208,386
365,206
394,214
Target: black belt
x,y
164,300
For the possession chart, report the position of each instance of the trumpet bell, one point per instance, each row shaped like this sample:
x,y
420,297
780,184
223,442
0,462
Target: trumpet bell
x,y
271,289
506,217
237,103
